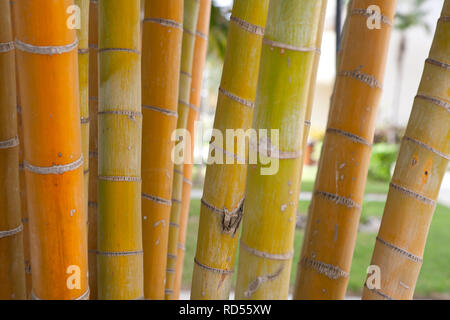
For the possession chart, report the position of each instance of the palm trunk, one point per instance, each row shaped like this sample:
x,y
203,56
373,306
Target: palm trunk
x,y
287,62
201,46
338,193
93,148
190,17
48,74
163,30
421,165
119,243
12,268
224,186
83,79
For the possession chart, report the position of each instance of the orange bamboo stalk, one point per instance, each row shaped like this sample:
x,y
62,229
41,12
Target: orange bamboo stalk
x,y
200,50
93,147
161,56
12,270
48,74
421,165
190,17
336,205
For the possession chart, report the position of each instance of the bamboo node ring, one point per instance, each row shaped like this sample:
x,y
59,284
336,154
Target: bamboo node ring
x,y
291,47
378,292
424,145
438,63
247,26
165,22
6,46
12,232
157,199
161,110
215,270
413,194
435,101
350,136
120,179
245,102
349,203
10,143
119,254
370,80
56,169
401,251
267,255
45,50
329,270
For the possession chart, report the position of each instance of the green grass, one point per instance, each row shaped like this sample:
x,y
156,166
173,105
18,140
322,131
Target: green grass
x,y
435,274
372,185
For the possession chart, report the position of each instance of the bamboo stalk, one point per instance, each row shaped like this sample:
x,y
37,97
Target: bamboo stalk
x,y
47,64
12,269
161,60
93,148
224,186
339,189
23,202
421,165
200,50
312,87
190,17
83,79
271,200
119,243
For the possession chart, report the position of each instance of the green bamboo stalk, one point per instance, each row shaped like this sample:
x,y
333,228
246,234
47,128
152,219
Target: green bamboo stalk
x,y
271,201
224,188
119,253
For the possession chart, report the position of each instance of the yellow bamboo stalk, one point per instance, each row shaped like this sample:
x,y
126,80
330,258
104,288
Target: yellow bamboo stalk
x,y
93,147
23,202
162,38
200,50
119,243
48,74
83,79
12,269
190,17
224,186
421,165
287,62
312,87
338,193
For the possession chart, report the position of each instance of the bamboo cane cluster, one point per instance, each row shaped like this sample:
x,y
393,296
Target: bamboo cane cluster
x,y
92,204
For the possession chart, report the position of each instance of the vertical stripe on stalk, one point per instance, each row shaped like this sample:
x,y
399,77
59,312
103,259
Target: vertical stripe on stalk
x,y
48,75
93,147
83,80
23,202
12,269
287,63
161,57
336,204
224,186
119,243
421,165
201,46
190,17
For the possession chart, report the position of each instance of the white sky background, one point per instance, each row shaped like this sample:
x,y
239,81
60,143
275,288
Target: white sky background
x,y
418,46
